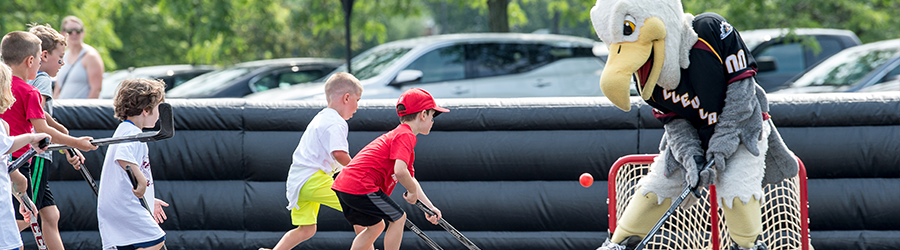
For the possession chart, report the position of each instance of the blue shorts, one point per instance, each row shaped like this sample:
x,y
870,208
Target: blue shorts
x,y
143,244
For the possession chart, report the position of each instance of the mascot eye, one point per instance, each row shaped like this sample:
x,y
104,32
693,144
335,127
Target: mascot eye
x,y
628,29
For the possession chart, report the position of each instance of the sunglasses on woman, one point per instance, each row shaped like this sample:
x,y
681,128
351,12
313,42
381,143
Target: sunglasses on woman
x,y
76,31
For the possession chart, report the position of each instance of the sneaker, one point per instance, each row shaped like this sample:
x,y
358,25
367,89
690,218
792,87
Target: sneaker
x,y
759,246
263,248
628,243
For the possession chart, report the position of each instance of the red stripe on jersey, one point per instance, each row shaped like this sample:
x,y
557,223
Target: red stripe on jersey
x,y
749,73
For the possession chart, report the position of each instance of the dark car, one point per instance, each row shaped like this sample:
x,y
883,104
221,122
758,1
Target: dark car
x,y
251,77
781,56
172,75
873,67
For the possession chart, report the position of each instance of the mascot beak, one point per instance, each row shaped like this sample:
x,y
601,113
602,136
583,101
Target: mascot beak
x,y
643,58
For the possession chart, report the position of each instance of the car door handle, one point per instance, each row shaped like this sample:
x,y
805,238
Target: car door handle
x,y
541,83
461,91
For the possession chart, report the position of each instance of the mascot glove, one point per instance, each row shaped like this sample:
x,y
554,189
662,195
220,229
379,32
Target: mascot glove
x,y
694,177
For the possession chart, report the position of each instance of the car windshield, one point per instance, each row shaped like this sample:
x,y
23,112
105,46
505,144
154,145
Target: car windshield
x,y
372,64
846,68
207,83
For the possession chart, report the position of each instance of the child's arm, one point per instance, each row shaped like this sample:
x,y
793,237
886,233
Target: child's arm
x,y
414,191
20,184
53,124
20,141
342,157
82,143
139,175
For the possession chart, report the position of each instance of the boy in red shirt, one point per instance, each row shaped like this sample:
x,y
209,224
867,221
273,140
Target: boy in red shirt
x,y
21,51
364,187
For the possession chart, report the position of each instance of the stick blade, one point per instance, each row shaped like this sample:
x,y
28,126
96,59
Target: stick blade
x,y
166,124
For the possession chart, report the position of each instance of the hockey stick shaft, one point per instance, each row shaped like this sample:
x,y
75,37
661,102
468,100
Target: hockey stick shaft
x,y
446,225
35,228
86,174
684,193
166,131
26,156
421,234
134,184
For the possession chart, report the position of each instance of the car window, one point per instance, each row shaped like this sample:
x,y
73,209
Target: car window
x,y
788,57
285,79
829,47
893,75
209,82
492,59
444,64
846,70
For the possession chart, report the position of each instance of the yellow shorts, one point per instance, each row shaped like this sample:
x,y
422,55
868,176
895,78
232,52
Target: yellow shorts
x,y
315,192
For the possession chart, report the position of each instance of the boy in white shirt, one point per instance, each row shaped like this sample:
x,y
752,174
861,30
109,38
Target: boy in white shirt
x,y
11,184
322,152
124,223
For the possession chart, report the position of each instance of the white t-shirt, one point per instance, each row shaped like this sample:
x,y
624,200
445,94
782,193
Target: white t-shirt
x,y
123,221
326,133
9,232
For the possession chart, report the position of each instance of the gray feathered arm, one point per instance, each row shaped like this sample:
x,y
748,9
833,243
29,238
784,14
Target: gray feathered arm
x,y
739,122
681,143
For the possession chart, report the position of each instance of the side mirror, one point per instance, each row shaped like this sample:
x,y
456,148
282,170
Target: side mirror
x,y
766,63
406,76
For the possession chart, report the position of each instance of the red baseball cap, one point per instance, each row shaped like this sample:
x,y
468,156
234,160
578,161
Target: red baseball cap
x,y
415,100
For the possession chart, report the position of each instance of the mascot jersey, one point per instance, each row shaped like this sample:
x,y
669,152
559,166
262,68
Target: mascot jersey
x,y
717,59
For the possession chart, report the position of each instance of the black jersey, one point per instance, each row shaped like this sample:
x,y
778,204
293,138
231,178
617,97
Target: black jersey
x,y
717,59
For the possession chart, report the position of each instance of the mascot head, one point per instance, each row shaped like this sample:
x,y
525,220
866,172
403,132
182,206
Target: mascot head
x,y
650,39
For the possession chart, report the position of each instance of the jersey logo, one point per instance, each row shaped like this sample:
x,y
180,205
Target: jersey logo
x,y
725,29
687,102
736,62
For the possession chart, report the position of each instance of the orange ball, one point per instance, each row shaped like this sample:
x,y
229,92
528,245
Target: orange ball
x,y
586,180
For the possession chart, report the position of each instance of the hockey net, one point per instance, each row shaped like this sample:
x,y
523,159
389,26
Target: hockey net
x,y
784,212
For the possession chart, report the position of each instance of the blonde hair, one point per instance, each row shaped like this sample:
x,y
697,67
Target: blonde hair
x,y
137,95
73,19
50,38
19,45
6,96
342,83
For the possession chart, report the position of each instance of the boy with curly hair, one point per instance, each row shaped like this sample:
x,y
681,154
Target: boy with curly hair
x,y
124,223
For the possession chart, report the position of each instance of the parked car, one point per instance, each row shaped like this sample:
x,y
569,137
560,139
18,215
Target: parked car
x,y
865,68
470,65
172,75
251,77
780,56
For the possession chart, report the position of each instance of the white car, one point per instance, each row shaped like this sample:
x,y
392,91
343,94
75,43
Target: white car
x,y
469,66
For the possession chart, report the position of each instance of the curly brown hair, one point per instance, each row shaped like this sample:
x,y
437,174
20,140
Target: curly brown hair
x,y
133,96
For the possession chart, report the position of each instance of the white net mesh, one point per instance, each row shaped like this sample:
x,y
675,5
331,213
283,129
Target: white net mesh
x,y
783,212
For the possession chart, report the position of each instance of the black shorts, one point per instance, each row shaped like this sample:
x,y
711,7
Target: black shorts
x,y
369,209
37,173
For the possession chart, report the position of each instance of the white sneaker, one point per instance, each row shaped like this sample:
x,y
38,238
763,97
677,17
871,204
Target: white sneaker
x,y
628,243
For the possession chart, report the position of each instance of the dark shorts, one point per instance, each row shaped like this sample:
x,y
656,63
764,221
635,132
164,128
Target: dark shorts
x,y
369,209
37,171
142,245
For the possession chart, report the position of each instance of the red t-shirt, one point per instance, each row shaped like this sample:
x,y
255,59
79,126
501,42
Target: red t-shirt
x,y
27,106
373,167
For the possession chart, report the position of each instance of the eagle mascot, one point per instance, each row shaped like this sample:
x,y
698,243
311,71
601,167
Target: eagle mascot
x,y
698,75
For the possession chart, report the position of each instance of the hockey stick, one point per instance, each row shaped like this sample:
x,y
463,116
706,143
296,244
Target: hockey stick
x,y
27,156
29,205
35,228
166,131
428,241
446,225
141,199
87,175
684,193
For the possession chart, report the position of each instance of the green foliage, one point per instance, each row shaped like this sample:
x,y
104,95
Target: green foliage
x,y
134,33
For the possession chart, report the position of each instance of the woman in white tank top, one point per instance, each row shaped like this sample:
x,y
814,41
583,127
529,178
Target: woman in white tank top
x,y
82,75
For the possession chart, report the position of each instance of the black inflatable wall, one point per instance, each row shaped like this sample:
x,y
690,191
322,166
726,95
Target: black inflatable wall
x,y
503,171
